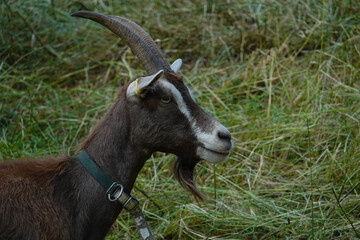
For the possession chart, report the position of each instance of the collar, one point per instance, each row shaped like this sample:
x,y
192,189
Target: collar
x,y
115,192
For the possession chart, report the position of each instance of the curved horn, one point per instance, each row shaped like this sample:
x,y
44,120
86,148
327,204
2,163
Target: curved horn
x,y
139,41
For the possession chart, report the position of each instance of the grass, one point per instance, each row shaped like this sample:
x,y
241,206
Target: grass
x,y
283,76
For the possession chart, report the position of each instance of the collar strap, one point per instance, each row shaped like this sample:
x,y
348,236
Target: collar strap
x,y
115,192
98,174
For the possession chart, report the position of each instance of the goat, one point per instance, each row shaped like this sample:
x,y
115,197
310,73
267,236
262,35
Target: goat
x,y
56,198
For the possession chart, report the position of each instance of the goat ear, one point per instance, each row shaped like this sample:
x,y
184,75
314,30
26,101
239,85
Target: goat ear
x,y
176,65
138,88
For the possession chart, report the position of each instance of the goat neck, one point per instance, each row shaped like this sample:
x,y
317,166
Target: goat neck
x,y
110,146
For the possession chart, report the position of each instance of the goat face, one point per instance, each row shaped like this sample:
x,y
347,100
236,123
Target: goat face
x,y
165,112
164,115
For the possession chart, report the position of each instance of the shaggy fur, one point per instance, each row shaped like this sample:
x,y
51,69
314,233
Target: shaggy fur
x,y
183,170
27,210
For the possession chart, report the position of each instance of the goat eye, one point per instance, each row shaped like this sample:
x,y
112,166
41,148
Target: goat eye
x,y
166,99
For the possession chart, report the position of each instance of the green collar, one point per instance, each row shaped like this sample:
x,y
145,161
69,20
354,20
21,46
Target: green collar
x,y
99,175
115,192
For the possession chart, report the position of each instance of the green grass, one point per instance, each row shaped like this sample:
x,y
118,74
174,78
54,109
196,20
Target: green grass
x,y
283,76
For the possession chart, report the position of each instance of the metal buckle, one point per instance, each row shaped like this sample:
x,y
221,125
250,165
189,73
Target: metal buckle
x,y
128,201
111,199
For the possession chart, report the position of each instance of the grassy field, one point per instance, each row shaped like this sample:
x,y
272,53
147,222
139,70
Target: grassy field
x,y
283,76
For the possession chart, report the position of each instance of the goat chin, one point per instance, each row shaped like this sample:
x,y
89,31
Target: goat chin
x,y
183,170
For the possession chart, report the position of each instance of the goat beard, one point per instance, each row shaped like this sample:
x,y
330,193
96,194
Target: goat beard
x,y
183,170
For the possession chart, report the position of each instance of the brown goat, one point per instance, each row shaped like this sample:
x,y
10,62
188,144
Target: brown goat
x,y
56,198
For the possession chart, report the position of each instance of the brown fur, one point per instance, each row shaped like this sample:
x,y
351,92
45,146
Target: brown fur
x,y
26,203
171,76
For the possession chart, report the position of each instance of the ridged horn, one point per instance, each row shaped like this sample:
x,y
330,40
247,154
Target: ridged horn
x,y
139,41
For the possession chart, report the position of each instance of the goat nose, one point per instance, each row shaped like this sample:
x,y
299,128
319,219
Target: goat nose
x,y
224,135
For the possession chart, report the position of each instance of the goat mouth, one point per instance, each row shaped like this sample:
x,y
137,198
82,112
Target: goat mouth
x,y
212,156
223,153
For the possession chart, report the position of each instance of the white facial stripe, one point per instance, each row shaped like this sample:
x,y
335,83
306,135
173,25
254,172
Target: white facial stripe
x,y
183,108
213,149
178,98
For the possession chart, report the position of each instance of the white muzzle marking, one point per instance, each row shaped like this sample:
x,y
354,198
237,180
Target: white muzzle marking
x,y
213,148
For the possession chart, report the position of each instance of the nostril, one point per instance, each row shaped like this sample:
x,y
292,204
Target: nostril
x,y
224,136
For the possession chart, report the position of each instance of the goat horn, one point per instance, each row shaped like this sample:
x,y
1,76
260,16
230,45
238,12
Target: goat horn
x,y
139,41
